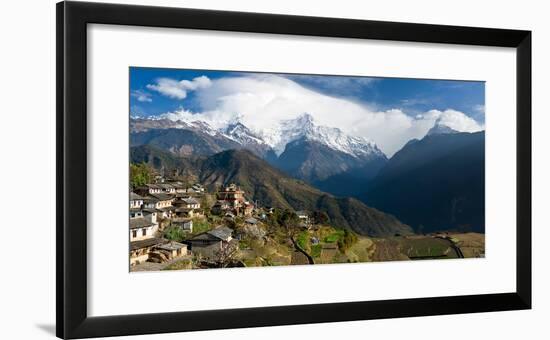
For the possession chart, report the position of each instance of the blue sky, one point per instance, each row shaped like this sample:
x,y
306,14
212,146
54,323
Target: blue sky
x,y
389,111
410,95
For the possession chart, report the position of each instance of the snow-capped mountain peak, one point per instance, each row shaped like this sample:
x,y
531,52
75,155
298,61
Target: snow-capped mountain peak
x,y
241,134
304,126
440,128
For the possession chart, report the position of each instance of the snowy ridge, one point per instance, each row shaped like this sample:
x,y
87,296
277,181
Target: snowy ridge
x,y
305,127
241,134
275,138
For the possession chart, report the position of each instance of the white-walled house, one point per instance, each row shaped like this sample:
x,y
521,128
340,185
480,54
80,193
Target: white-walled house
x,y
141,228
179,187
158,201
136,201
189,203
150,215
142,237
167,188
161,202
148,189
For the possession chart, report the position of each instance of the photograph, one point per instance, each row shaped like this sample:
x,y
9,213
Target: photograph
x,y
247,169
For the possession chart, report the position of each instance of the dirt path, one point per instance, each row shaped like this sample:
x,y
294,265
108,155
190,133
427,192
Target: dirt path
x,y
298,248
457,250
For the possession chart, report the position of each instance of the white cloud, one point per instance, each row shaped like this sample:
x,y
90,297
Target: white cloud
x,y
141,96
479,109
456,120
178,89
261,101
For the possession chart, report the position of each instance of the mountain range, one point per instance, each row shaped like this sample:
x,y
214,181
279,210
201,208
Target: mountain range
x,y
433,183
299,147
436,183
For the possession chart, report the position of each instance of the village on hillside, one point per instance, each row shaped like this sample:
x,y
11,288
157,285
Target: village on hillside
x,y
173,223
176,225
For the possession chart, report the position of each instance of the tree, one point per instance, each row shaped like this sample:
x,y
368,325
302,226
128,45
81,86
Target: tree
x,y
140,174
175,233
320,217
225,255
288,219
347,240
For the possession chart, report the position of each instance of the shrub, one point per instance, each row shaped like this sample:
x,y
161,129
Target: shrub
x,y
347,240
174,234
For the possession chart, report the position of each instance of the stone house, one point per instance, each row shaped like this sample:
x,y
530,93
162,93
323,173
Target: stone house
x,y
140,250
168,251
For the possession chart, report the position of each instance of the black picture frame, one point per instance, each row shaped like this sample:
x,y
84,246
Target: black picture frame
x,y
71,213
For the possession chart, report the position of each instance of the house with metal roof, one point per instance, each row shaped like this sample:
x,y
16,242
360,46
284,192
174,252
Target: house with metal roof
x,y
210,243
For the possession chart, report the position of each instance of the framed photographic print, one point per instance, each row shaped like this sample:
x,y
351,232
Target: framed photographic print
x,y
225,170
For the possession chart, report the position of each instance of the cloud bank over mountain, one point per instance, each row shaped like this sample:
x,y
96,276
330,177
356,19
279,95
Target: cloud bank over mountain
x,y
178,89
263,101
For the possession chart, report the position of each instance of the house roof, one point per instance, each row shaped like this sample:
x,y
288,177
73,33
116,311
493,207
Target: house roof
x,y
222,233
135,197
170,208
177,185
204,236
251,220
162,197
172,245
190,200
147,243
184,209
181,220
139,222
302,213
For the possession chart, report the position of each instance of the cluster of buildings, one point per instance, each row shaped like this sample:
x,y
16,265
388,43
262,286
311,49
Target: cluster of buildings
x,y
152,204
231,202
155,206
